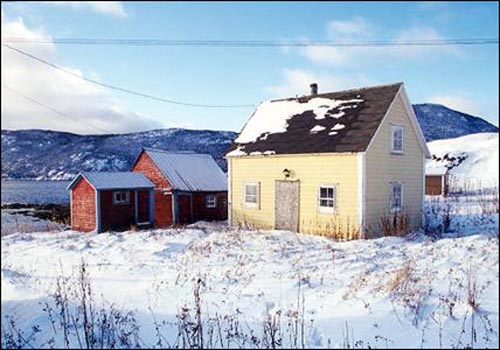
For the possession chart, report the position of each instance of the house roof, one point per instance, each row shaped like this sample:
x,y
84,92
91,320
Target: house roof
x,y
113,181
343,121
188,171
435,167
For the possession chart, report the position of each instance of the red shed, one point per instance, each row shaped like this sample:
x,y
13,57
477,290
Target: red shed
x,y
108,201
188,186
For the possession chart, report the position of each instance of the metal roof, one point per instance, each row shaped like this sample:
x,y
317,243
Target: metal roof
x,y
188,171
114,181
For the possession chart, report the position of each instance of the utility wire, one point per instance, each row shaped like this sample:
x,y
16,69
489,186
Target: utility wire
x,y
54,110
117,88
253,43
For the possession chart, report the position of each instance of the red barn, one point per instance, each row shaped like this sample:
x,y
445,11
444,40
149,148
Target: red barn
x,y
188,186
109,201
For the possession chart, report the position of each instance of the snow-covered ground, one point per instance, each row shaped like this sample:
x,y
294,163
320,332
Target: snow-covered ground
x,y
256,286
13,221
472,160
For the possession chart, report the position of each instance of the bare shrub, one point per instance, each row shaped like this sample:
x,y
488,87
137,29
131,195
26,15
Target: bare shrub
x,y
472,292
357,283
409,289
439,215
488,202
397,224
14,338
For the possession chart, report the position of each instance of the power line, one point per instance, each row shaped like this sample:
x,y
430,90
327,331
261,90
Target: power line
x,y
254,43
117,88
54,110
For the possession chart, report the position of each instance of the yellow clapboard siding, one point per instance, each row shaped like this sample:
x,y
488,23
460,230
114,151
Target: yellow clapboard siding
x,y
311,170
382,168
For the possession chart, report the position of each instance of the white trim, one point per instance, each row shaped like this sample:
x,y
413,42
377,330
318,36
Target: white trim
x,y
229,193
292,155
327,210
379,127
414,121
423,192
136,206
251,205
71,208
98,211
120,202
212,196
361,191
174,198
151,206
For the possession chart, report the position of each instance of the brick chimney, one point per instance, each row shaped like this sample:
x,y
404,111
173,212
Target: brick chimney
x,y
314,89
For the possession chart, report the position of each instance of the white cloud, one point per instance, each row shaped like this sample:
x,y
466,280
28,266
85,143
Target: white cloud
x,y
359,29
460,102
112,8
297,81
85,102
356,27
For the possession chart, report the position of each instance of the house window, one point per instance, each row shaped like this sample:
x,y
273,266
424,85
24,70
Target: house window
x,y
251,195
327,198
211,201
121,197
396,139
396,197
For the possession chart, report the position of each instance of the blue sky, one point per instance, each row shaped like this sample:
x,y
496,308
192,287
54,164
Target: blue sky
x,y
462,77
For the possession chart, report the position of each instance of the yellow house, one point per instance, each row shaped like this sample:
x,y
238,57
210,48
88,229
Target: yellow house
x,y
346,164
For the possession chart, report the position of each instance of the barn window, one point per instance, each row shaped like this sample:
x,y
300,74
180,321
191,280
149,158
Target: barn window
x,y
327,198
396,139
251,195
121,197
396,197
211,201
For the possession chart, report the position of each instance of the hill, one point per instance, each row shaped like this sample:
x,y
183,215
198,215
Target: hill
x,y
440,122
52,155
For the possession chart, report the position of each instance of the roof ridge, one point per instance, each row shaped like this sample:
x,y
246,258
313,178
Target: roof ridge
x,y
151,149
109,172
338,91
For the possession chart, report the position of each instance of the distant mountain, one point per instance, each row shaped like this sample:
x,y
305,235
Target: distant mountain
x,y
52,155
439,122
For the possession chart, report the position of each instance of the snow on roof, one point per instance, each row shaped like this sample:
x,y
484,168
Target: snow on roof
x,y
434,168
115,180
187,171
271,117
343,121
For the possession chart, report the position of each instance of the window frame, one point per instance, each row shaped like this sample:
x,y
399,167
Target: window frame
x,y
327,209
391,198
394,129
124,201
251,205
208,201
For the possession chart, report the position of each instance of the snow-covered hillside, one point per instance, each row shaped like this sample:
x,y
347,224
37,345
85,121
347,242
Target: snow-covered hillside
x,y
472,160
52,155
440,122
235,288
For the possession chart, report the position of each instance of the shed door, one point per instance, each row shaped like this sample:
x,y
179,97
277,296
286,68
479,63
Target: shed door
x,y
433,185
184,209
286,205
143,206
